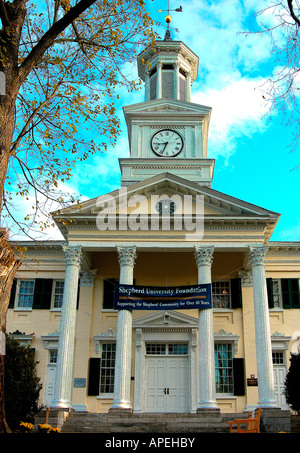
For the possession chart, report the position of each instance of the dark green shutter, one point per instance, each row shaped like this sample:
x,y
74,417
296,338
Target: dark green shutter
x,y
109,293
238,377
94,376
13,294
78,294
42,293
236,293
290,293
270,292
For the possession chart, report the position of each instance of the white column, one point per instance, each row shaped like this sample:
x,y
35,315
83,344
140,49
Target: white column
x,y
127,256
159,80
204,259
147,86
176,80
65,356
262,328
188,87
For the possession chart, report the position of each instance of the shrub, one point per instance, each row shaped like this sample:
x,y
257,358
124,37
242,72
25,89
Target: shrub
x,y
21,384
292,383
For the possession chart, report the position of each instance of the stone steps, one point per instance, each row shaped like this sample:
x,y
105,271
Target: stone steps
x,y
79,422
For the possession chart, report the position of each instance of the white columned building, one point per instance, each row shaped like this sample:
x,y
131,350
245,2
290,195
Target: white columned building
x,y
65,355
171,360
262,328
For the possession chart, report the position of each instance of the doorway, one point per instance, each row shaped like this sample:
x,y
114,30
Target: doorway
x,y
167,378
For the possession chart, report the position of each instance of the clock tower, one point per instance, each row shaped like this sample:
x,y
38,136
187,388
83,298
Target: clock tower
x,y
167,132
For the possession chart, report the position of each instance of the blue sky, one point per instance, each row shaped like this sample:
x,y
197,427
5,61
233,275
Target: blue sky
x,y
251,148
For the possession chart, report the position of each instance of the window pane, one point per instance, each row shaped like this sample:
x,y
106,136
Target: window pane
x,y
221,294
157,349
58,294
26,291
224,368
278,358
178,349
52,355
107,371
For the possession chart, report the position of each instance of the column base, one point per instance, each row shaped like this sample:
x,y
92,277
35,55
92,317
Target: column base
x,y
120,410
61,404
208,411
121,406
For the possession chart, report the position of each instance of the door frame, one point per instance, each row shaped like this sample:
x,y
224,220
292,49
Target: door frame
x,y
165,327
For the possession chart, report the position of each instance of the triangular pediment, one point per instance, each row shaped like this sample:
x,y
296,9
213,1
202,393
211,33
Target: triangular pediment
x,y
215,203
164,106
163,319
216,210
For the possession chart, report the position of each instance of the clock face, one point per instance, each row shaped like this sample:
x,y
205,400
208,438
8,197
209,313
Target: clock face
x,y
167,143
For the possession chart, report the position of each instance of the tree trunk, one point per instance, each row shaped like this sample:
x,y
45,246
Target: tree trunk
x,y
8,268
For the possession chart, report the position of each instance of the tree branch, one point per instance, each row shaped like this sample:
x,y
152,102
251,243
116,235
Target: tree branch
x,y
291,8
49,37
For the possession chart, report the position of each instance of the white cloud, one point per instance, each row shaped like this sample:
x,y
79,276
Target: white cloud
x,y
237,110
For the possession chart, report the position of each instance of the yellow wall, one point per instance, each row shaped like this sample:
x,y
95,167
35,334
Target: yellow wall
x,y
159,269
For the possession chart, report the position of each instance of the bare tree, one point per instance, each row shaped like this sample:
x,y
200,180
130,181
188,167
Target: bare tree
x,y
281,20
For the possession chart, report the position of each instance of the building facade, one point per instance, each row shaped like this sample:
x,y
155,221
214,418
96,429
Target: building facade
x,y
165,227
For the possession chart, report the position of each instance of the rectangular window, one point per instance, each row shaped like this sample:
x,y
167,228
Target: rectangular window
x,y
290,292
52,356
58,294
155,349
167,349
224,368
221,294
278,358
25,293
178,349
107,370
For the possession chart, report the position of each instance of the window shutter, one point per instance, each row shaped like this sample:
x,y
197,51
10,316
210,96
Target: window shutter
x,y
78,294
13,294
153,87
109,293
94,376
168,84
236,293
290,293
270,292
182,87
238,377
42,293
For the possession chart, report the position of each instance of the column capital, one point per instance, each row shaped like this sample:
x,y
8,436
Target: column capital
x,y
257,255
126,255
73,254
246,278
87,278
204,255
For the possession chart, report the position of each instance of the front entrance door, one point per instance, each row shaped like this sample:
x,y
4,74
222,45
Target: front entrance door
x,y
167,377
279,371
279,378
50,377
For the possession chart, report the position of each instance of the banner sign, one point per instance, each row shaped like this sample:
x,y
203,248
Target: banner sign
x,y
130,297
